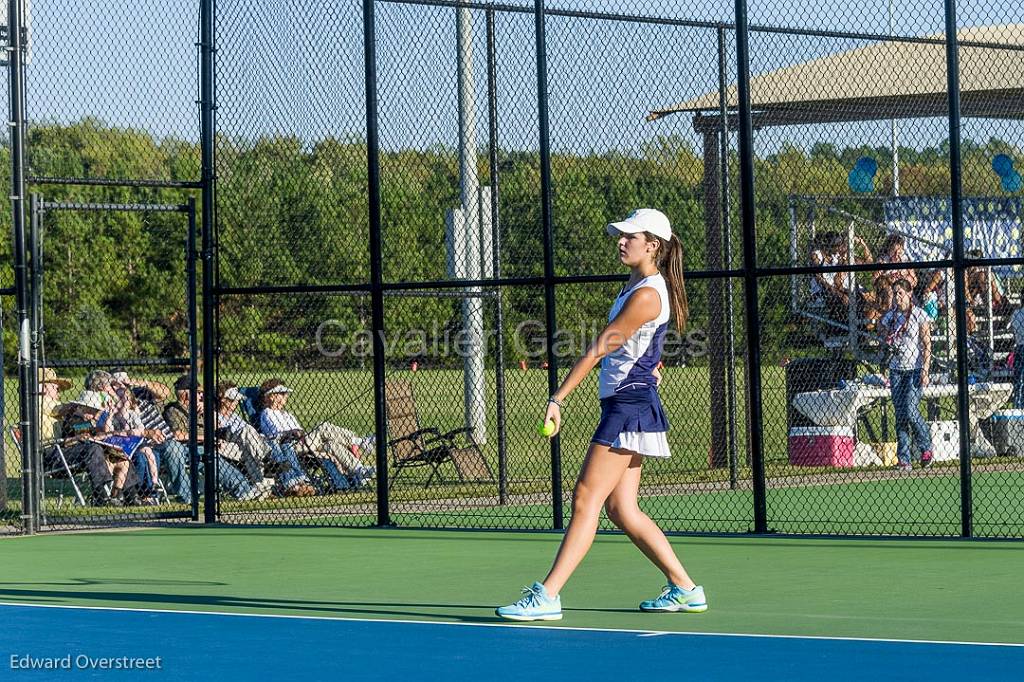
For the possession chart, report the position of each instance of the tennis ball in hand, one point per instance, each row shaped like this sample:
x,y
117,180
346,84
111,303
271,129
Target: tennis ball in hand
x,y
547,428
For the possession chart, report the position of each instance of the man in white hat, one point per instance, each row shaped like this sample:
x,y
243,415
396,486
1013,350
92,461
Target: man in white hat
x,y
334,446
289,476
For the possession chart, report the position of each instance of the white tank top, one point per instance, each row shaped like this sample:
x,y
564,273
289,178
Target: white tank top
x,y
634,362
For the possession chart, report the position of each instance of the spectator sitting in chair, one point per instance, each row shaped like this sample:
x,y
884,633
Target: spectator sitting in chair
x,y
89,456
981,282
126,418
50,388
333,445
832,290
893,251
291,480
823,283
229,478
85,422
159,438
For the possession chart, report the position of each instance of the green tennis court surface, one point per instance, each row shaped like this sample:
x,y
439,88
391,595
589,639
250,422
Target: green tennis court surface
x,y
926,590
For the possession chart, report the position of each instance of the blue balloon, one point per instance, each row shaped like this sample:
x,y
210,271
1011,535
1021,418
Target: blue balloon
x,y
1002,165
867,165
1011,183
860,182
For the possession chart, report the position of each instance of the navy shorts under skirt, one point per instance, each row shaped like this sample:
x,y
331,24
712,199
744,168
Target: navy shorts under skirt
x,y
632,409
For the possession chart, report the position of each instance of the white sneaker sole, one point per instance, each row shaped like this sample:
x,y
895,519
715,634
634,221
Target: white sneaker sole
x,y
525,619
679,608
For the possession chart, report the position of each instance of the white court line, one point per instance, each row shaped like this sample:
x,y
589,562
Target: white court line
x,y
642,633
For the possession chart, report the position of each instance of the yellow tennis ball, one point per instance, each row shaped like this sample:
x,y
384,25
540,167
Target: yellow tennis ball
x,y
547,428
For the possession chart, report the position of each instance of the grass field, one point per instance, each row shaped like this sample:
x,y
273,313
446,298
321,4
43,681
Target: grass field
x,y
683,493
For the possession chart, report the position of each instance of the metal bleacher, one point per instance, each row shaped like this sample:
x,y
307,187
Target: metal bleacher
x,y
992,340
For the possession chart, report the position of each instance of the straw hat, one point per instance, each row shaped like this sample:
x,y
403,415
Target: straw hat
x,y
48,375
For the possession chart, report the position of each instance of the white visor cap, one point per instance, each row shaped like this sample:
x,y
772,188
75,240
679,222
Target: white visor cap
x,y
643,220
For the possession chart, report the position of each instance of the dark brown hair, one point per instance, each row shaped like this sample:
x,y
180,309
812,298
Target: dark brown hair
x,y
891,241
669,259
222,388
903,283
269,384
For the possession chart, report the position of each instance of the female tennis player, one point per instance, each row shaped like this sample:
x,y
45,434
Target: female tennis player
x,y
633,423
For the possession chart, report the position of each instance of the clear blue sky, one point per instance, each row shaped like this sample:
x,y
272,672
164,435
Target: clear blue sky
x,y
295,66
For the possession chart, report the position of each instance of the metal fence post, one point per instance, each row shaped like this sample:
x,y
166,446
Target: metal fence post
x,y
35,311
499,317
955,200
376,247
208,114
26,381
750,289
730,330
547,223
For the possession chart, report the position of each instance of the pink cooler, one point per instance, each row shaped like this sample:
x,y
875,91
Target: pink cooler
x,y
821,446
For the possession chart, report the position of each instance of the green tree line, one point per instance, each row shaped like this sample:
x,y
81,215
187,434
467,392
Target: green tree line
x,y
294,212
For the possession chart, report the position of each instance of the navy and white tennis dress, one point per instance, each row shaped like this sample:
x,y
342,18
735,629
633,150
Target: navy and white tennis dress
x,y
632,417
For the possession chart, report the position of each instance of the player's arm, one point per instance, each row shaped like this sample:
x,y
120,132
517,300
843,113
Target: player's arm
x,y
642,306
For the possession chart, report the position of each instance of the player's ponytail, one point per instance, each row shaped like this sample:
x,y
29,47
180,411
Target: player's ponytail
x,y
670,263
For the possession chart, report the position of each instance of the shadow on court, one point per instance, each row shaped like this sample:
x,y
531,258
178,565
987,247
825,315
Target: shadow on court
x,y
215,602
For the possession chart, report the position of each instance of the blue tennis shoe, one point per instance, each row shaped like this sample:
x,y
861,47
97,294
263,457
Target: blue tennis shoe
x,y
675,598
535,605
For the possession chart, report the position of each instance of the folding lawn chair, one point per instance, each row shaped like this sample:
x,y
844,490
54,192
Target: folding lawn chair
x,y
59,471
414,446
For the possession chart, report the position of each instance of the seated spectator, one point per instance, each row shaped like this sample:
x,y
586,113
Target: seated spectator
x,y
981,282
92,458
127,419
99,381
148,395
832,291
84,423
893,251
822,254
50,388
333,445
229,478
290,479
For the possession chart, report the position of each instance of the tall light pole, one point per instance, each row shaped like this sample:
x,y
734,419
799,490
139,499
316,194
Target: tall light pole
x,y
892,125
470,227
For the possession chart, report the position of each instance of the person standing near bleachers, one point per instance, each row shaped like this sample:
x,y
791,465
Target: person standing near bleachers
x,y
906,331
1017,326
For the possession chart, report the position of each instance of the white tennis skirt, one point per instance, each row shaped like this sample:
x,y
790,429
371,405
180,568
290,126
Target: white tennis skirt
x,y
646,444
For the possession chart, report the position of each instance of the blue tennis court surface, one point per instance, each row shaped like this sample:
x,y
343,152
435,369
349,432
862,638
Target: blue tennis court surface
x,y
193,646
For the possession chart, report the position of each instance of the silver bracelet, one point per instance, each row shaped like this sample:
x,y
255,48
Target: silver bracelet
x,y
556,401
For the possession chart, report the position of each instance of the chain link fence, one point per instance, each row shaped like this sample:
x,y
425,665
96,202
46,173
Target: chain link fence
x,y
382,336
